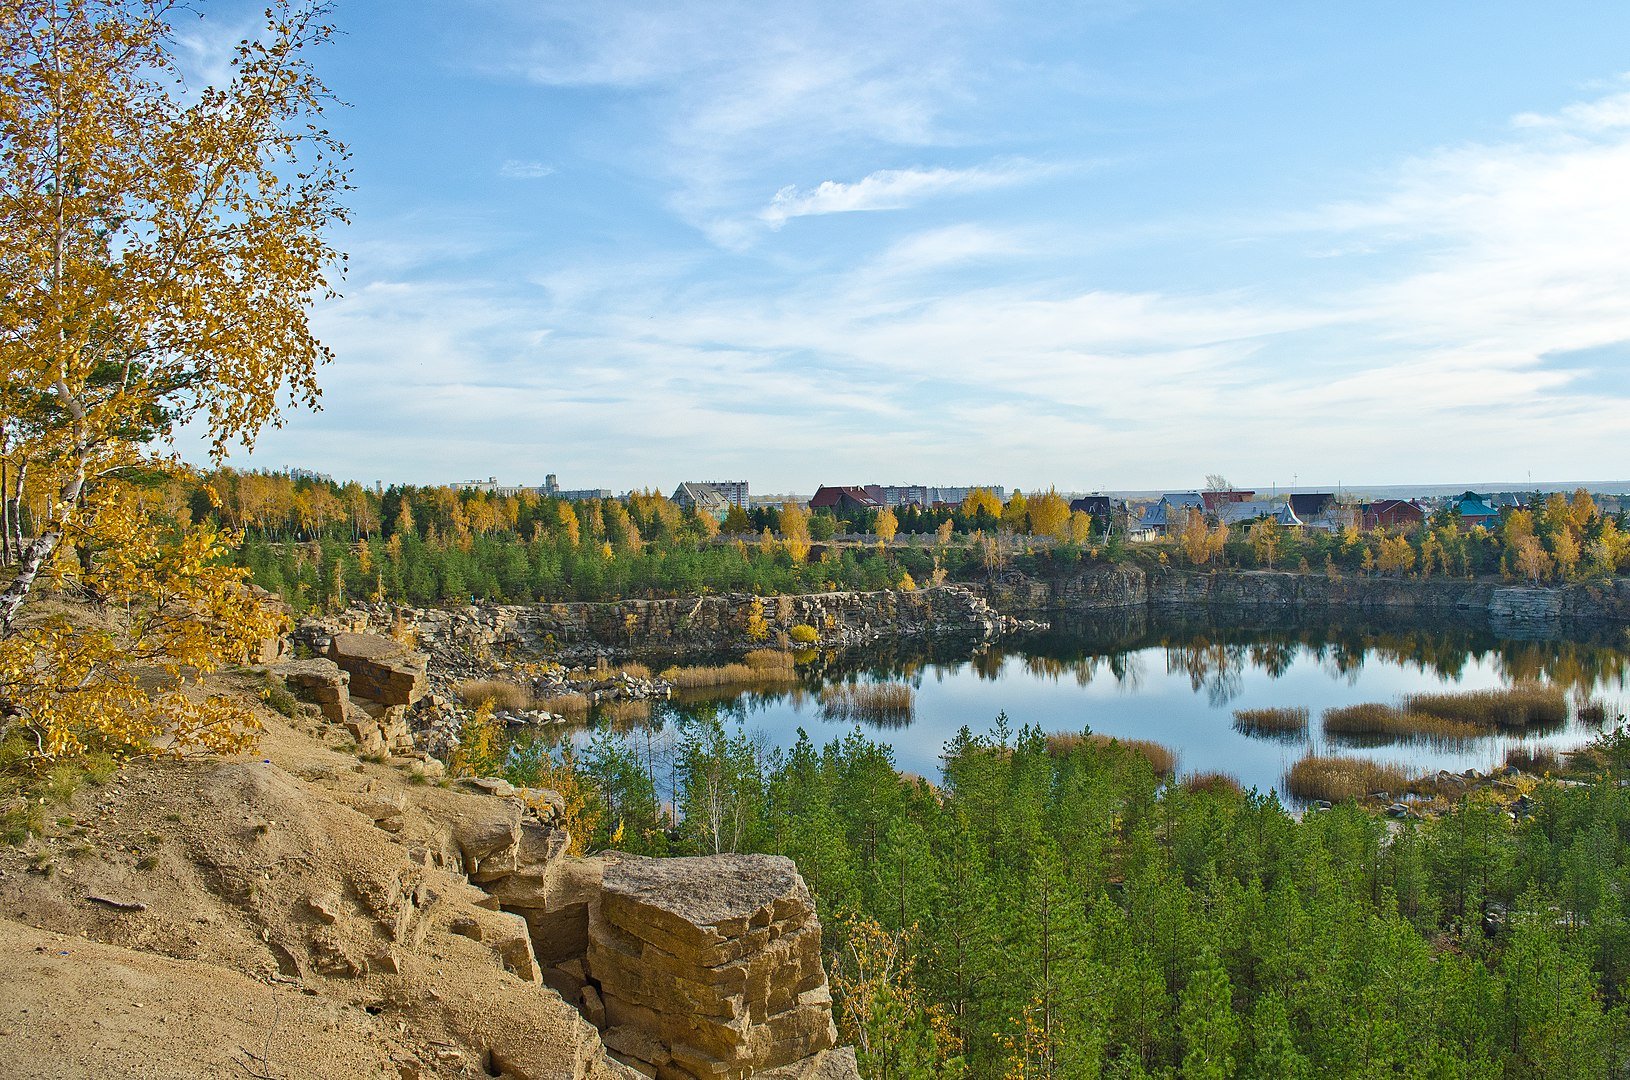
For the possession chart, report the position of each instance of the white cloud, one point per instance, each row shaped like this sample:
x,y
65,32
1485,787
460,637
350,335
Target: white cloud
x,y
891,189
525,170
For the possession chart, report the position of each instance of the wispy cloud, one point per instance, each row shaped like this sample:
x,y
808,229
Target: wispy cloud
x,y
891,189
525,170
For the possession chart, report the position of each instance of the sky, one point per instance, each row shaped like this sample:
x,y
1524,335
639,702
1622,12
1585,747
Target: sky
x,y
1104,244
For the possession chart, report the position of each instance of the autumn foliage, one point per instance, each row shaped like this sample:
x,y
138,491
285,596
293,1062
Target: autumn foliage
x,y
160,244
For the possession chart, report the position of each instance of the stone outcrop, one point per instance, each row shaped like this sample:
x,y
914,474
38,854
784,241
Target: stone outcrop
x,y
690,968
709,967
382,670
321,682
473,641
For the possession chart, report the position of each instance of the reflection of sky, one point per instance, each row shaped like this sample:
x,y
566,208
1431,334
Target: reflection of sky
x,y
1158,699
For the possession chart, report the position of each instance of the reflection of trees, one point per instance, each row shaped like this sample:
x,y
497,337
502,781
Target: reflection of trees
x,y
1216,667
1213,649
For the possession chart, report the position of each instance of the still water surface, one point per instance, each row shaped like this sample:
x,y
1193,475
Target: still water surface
x,y
1179,683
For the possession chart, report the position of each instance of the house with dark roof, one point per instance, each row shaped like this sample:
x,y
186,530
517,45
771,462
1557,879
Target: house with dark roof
x,y
1472,510
853,497
1163,515
1391,514
1317,509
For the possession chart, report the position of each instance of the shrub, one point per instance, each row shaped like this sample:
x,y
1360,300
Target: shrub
x,y
277,696
1338,779
804,634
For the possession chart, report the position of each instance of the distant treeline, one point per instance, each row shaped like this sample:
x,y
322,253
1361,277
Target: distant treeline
x,y
321,543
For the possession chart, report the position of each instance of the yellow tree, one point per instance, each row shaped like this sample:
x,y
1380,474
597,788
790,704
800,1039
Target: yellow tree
x,y
159,246
794,525
1050,515
1192,535
1016,514
886,525
1264,537
981,501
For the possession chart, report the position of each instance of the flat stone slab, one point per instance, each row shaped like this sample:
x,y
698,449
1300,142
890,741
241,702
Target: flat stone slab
x,y
725,893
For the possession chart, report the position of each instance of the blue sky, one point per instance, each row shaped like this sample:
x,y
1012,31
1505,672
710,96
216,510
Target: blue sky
x,y
1093,245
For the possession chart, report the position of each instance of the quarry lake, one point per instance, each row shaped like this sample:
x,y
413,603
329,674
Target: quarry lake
x,y
1179,683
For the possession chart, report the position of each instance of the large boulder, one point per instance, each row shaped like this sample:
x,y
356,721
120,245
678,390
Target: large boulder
x,y
320,681
709,967
382,670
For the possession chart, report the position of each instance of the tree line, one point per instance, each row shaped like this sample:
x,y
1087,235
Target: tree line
x,y
1054,908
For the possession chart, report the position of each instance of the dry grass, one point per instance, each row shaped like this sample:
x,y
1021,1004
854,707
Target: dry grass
x,y
1534,759
1210,783
1276,722
1387,723
502,693
1337,779
634,669
1160,759
876,703
702,677
770,660
573,705
1592,712
624,712
1512,708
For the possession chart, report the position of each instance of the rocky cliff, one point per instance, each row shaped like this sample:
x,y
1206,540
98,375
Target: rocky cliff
x,y
462,642
1501,604
301,911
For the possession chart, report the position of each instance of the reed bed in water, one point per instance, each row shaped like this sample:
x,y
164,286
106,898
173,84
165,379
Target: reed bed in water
x,y
1160,759
1210,783
1533,759
624,712
574,705
877,703
759,667
1279,722
1337,779
1511,708
1386,722
501,693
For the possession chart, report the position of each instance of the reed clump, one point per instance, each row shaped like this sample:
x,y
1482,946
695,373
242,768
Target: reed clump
x,y
1281,722
1511,708
761,667
1338,779
572,705
876,703
624,711
1160,759
771,660
1387,722
1533,759
1592,711
1210,783
503,695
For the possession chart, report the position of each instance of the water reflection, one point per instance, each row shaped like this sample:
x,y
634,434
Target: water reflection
x,y
1179,682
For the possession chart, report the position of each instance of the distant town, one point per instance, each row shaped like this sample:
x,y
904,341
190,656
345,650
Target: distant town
x,y
1136,515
